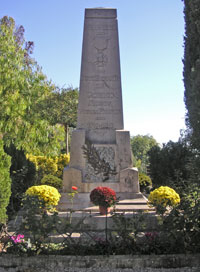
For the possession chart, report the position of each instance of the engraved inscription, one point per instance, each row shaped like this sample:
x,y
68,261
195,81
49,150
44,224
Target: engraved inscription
x,y
99,103
101,111
102,95
101,27
100,118
100,78
101,125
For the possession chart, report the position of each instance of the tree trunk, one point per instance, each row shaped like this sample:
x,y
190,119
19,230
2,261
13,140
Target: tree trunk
x,y
67,138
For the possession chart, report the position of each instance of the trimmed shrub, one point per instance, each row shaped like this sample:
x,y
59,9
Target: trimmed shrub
x,y
52,181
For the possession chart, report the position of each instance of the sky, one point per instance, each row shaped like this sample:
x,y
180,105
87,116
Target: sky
x,y
151,34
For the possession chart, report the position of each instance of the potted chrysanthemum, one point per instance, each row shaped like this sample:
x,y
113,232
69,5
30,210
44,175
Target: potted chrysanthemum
x,y
48,195
104,197
163,198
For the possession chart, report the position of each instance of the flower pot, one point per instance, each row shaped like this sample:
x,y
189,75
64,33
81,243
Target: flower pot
x,y
104,210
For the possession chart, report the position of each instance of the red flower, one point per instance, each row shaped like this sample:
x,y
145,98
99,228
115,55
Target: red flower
x,y
74,188
103,196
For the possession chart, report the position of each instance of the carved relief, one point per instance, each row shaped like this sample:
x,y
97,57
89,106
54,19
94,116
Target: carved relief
x,y
108,155
100,44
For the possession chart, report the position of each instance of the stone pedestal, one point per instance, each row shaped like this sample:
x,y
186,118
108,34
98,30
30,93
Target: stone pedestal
x,y
100,114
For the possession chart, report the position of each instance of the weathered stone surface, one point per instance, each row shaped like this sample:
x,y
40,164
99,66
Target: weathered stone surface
x,y
144,263
76,153
123,149
127,200
100,113
100,104
129,180
71,177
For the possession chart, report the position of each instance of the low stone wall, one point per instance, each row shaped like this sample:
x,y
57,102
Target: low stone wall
x,y
126,263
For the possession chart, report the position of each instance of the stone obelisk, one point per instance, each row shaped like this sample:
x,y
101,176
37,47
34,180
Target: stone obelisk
x,y
100,147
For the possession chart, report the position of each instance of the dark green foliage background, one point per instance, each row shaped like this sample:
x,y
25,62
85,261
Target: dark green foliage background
x,y
22,173
170,165
191,71
5,182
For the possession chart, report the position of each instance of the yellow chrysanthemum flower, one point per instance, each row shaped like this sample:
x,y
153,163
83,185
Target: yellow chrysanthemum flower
x,y
164,196
49,194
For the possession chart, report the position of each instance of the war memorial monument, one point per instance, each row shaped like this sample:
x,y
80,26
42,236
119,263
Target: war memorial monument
x,y
100,147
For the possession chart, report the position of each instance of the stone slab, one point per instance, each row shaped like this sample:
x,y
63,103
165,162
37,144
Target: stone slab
x,y
124,208
129,180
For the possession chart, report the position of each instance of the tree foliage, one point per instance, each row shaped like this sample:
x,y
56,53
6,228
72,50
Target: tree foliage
x,y
140,145
169,165
192,68
63,105
5,182
23,87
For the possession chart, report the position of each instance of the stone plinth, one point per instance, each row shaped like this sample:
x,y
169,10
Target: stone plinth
x,y
100,128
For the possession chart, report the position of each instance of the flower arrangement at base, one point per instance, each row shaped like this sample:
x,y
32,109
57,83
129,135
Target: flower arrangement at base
x,y
48,194
103,197
163,197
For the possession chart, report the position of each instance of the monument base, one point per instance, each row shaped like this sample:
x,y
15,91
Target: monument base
x,y
82,202
128,181
113,146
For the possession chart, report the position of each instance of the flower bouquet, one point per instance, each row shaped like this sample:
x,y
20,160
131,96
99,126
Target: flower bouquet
x,y
104,197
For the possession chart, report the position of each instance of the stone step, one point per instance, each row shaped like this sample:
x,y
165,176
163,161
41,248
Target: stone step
x,y
124,208
137,201
125,205
82,200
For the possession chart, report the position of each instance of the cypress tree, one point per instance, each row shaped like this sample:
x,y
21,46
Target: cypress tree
x,y
191,70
